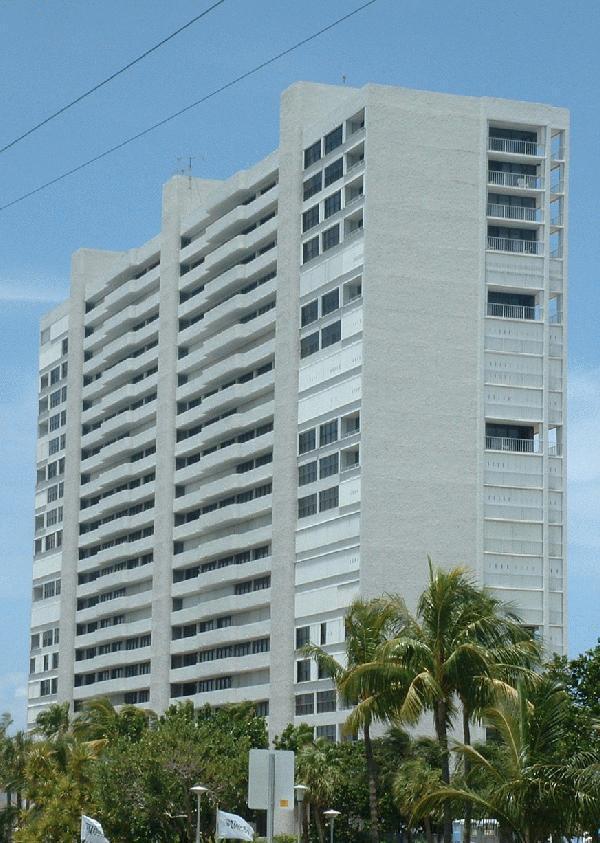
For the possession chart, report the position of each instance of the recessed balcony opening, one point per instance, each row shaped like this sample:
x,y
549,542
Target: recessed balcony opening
x,y
513,207
555,310
354,191
355,157
355,124
512,305
353,224
352,290
517,438
556,244
350,424
555,441
514,141
557,145
349,458
556,211
557,179
514,175
520,241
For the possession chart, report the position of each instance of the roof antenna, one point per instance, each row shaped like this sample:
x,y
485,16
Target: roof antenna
x,y
343,78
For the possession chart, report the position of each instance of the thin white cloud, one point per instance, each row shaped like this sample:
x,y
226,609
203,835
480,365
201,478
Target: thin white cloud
x,y
24,292
13,696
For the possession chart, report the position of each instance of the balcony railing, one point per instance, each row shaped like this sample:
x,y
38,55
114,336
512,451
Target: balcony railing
x,y
521,247
522,180
514,212
555,450
513,311
515,147
517,446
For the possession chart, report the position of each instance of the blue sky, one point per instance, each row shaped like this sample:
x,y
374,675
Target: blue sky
x,y
52,51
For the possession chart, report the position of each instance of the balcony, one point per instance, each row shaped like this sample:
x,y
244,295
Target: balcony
x,y
523,181
515,245
514,311
515,147
514,212
515,446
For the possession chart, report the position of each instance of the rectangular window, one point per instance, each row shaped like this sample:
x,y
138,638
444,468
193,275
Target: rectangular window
x,y
334,172
331,334
324,633
54,422
307,441
307,506
54,446
309,345
55,398
303,671
55,375
333,139
328,432
330,302
328,498
332,204
312,153
329,465
307,473
309,313
325,701
310,218
302,636
305,704
47,638
310,250
326,732
312,186
331,238
65,346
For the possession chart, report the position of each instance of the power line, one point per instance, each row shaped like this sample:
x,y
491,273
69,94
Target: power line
x,y
203,99
109,78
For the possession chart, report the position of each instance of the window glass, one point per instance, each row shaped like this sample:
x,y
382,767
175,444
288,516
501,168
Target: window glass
x,y
305,704
328,499
330,302
334,172
332,204
302,636
331,237
333,139
309,313
307,441
329,465
307,506
312,185
310,250
331,334
303,671
312,153
310,218
309,345
325,701
307,473
328,432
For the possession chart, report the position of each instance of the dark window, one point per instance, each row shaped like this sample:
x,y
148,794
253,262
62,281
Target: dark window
x,y
305,704
325,701
328,465
309,313
310,218
311,186
307,441
312,154
328,498
332,204
326,732
310,250
302,636
334,172
307,506
333,139
303,671
330,302
331,334
328,432
309,345
307,473
331,237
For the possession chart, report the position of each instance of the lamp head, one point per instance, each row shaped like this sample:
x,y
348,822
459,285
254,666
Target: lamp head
x,y
300,791
199,789
331,813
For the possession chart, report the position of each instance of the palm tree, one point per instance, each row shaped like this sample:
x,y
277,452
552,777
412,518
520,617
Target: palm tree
x,y
101,721
368,625
523,780
457,641
317,773
54,722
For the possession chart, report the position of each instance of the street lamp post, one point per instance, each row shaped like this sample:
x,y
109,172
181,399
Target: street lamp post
x,y
331,814
300,790
198,789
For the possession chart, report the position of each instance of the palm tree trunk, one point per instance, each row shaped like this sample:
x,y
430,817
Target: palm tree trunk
x,y
428,832
467,769
319,825
372,776
440,718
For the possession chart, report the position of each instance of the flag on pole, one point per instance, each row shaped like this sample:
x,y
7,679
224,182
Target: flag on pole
x,y
232,827
91,831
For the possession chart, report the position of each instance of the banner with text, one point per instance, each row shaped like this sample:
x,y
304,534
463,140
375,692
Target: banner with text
x,y
232,827
91,831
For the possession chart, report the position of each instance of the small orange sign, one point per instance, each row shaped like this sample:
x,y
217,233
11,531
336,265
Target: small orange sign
x,y
283,803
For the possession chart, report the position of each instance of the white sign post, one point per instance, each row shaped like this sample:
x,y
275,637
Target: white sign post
x,y
271,783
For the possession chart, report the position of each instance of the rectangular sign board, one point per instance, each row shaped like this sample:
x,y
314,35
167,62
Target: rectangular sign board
x,y
258,779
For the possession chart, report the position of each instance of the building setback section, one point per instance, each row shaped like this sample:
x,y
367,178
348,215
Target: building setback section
x,y
323,369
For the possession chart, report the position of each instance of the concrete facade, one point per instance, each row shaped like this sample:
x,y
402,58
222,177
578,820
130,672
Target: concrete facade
x,y
325,368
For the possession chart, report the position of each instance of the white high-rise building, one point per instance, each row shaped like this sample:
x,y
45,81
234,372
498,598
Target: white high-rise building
x,y
321,370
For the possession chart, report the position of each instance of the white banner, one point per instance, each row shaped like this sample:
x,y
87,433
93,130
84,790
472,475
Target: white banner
x,y
91,831
232,827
